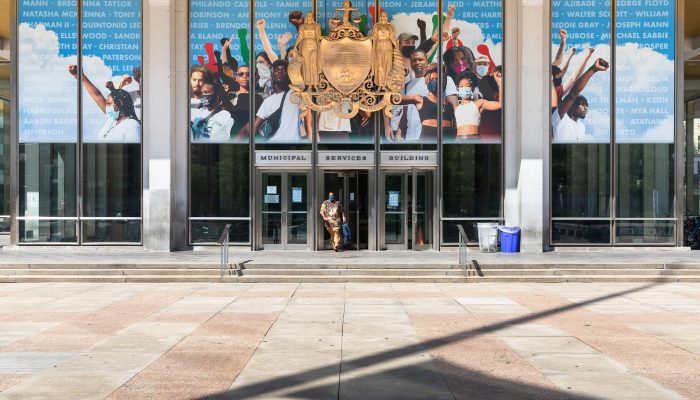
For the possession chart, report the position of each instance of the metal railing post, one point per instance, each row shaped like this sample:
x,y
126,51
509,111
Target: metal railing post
x,y
463,249
223,241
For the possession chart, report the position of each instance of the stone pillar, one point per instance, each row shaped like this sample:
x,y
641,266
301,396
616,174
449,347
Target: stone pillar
x,y
165,129
526,158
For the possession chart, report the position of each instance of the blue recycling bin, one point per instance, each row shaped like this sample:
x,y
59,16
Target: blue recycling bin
x,y
510,239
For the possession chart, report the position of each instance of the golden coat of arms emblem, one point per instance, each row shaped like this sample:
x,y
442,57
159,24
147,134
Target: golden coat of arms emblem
x,y
346,67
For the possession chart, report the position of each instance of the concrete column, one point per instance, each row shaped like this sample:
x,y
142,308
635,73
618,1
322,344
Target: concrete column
x,y
165,133
527,121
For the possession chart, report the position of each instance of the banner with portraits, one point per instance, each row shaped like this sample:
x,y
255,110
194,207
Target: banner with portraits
x,y
48,71
582,71
220,77
472,39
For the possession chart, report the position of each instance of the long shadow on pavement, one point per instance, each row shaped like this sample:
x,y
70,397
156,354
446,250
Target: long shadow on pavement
x,y
477,383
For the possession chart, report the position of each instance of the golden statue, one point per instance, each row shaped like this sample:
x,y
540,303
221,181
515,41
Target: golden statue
x,y
383,36
294,70
307,47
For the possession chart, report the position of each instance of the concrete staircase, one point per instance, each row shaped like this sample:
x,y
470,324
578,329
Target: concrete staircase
x,y
320,272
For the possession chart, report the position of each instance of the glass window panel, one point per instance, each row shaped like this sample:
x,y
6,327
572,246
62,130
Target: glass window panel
x,y
692,126
5,178
47,91
333,131
47,180
111,68
111,180
415,121
273,23
219,182
111,231
645,181
645,232
585,29
450,232
209,231
48,231
580,180
219,59
644,74
581,232
472,180
473,61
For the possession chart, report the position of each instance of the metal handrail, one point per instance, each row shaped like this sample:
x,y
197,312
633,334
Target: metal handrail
x,y
223,241
463,262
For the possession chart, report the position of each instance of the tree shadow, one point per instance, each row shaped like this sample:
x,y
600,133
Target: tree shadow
x,y
379,383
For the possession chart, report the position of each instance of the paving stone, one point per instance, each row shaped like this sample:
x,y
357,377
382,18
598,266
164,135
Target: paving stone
x,y
29,363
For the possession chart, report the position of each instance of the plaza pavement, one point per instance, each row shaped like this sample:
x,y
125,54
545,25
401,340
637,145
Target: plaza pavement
x,y
349,341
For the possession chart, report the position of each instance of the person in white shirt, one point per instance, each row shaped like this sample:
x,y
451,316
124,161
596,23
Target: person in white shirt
x,y
213,122
567,119
121,123
291,129
410,129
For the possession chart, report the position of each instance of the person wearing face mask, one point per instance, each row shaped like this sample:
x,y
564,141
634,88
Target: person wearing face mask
x,y
263,70
459,60
407,44
213,123
333,218
427,107
482,65
469,109
121,123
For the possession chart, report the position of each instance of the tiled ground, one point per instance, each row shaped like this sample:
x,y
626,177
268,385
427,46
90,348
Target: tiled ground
x,y
349,341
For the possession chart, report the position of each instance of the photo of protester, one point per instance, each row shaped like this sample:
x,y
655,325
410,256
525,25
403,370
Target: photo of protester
x,y
279,119
468,114
469,47
571,72
567,119
121,124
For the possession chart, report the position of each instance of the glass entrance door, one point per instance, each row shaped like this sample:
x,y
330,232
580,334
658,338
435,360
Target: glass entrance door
x,y
284,211
407,209
352,189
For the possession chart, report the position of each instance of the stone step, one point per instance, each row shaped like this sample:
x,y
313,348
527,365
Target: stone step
x,y
115,272
562,271
593,266
347,266
130,266
345,272
350,278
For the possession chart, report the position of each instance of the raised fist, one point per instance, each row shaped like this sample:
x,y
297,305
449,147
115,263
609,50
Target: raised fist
x,y
260,24
296,18
601,65
563,34
73,69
